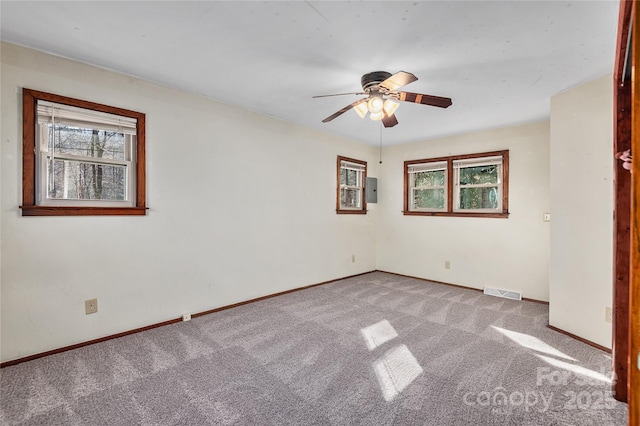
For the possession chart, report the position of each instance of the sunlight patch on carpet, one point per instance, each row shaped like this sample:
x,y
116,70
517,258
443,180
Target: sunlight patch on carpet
x,y
378,333
396,370
532,343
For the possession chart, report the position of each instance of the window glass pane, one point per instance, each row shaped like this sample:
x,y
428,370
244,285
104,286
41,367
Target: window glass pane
x,y
428,198
479,175
350,198
431,178
76,180
351,177
88,142
479,198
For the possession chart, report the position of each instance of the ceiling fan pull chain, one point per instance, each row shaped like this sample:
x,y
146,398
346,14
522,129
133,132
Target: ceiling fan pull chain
x,y
380,142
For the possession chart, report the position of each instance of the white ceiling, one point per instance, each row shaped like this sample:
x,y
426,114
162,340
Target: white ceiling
x,y
500,61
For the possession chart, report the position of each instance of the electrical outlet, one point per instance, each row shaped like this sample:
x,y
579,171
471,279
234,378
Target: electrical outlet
x,y
447,264
353,258
186,317
90,306
608,314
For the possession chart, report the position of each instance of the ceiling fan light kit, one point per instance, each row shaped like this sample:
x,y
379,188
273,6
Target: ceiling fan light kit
x,y
390,107
375,104
381,87
361,109
376,116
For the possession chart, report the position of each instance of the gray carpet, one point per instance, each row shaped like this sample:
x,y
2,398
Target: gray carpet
x,y
377,349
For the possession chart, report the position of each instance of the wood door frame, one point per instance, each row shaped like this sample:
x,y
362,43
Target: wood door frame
x,y
634,294
622,209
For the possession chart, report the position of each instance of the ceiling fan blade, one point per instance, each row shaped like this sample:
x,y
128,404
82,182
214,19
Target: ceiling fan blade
x,y
389,120
399,79
343,110
419,98
339,94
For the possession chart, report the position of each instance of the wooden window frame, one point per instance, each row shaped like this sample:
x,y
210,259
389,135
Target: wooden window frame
x,y
450,186
362,210
29,206
410,185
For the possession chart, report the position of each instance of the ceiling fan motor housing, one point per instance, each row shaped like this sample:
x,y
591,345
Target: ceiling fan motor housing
x,y
371,80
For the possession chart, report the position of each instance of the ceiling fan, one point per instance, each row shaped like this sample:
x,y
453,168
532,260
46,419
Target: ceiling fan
x,y
380,86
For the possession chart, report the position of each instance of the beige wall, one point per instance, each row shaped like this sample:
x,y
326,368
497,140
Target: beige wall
x,y
580,279
511,253
241,205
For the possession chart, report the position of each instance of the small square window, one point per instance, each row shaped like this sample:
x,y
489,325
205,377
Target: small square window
x,y
84,158
428,186
478,185
81,158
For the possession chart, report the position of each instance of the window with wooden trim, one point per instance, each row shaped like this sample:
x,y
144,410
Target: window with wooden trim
x,y
427,186
464,185
352,175
81,158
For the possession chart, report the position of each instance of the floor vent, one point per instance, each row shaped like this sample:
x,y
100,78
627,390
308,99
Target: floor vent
x,y
514,295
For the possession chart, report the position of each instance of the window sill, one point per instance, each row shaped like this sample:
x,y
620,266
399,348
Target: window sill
x,y
82,211
351,211
456,214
